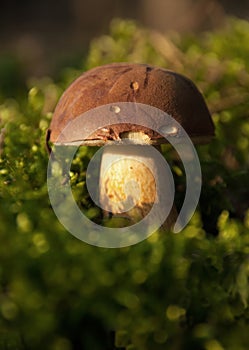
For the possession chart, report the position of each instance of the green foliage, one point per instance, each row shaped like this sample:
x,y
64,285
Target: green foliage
x,y
184,291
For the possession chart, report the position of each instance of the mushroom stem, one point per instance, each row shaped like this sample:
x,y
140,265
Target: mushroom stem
x,y
129,179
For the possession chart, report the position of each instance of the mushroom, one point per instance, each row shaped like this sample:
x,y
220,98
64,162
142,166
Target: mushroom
x,y
127,186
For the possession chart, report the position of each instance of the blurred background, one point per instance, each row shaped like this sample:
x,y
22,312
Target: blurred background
x,y
43,36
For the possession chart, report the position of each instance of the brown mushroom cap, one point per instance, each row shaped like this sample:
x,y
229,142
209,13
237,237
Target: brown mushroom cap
x,y
127,82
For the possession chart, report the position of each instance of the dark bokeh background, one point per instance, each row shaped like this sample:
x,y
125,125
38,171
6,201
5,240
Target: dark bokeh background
x,y
45,35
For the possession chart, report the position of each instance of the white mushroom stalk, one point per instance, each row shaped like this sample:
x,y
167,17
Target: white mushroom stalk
x,y
131,180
